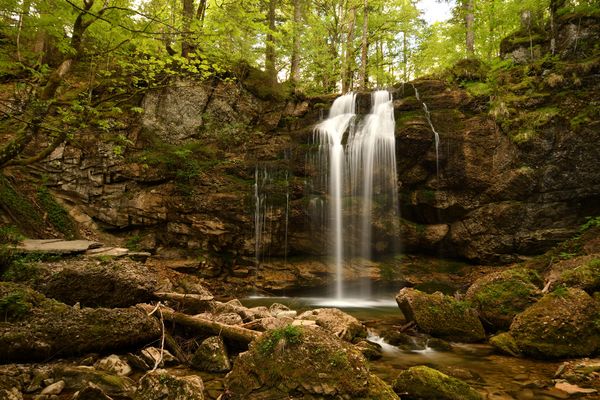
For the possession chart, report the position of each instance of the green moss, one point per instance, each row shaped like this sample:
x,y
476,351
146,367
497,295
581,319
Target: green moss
x,y
505,343
14,305
290,334
422,382
19,207
57,215
586,276
478,89
10,234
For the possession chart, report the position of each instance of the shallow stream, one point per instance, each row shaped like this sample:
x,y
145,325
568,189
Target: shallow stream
x,y
495,376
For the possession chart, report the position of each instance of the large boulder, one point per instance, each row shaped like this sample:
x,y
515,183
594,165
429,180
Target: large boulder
x,y
336,321
564,323
304,363
440,315
424,383
581,272
37,328
500,296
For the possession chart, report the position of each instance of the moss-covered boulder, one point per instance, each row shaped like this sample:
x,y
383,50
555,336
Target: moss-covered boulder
x,y
564,323
500,296
581,272
505,343
303,362
37,328
423,383
440,315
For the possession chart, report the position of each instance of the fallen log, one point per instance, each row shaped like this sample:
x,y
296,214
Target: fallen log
x,y
190,302
231,332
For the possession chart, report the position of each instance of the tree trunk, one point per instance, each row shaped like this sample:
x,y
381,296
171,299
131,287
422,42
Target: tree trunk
x,y
469,22
405,56
295,63
270,45
554,6
349,56
188,14
364,49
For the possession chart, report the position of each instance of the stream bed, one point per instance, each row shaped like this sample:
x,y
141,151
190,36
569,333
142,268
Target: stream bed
x,y
494,376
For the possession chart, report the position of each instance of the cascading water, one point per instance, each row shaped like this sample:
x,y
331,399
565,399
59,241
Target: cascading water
x,y
360,178
436,135
329,135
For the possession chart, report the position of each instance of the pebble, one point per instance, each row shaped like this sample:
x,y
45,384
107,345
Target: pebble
x,y
55,388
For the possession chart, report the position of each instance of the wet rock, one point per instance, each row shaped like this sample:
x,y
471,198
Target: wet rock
x,y
250,314
337,322
161,385
114,364
571,389
371,350
41,328
505,343
584,372
91,392
426,383
441,315
500,296
304,362
211,356
563,323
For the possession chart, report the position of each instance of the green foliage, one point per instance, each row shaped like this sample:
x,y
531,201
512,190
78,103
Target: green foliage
x,y
20,207
10,234
290,334
57,215
133,242
591,222
560,291
15,305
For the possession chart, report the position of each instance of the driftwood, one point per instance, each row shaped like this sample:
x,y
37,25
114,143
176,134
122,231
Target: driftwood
x,y
231,332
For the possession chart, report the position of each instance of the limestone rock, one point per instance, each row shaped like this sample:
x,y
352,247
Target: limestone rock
x,y
80,377
500,296
11,394
212,356
563,323
41,328
152,355
425,383
114,364
337,322
54,388
56,246
306,362
161,385
441,315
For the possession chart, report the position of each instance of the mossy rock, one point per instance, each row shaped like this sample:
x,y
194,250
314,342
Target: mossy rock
x,y
564,323
422,383
441,316
469,69
505,343
585,275
500,296
303,362
42,328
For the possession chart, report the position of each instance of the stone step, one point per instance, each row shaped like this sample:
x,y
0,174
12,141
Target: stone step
x,y
56,246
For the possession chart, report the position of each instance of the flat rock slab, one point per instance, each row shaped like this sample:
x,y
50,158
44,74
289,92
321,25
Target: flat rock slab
x,y
56,246
116,252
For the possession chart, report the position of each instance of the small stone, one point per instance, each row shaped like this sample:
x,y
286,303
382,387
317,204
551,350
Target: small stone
x,y
302,322
114,364
152,355
11,394
92,392
55,388
160,385
229,319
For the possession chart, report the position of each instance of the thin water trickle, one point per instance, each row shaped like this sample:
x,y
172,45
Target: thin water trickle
x,y
435,133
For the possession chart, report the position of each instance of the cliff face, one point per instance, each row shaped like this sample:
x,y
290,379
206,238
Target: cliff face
x,y
518,168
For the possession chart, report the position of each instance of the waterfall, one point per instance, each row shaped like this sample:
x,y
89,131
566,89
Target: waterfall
x,y
360,178
435,134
